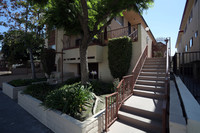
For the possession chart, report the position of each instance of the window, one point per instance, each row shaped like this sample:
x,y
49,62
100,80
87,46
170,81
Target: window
x,y
191,42
196,34
190,17
120,20
186,48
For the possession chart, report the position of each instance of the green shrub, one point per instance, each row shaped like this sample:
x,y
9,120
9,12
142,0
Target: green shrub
x,y
119,56
48,60
100,88
69,99
39,91
25,82
72,80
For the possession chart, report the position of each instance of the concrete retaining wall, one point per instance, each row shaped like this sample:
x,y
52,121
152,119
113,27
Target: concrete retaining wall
x,y
191,107
58,122
177,122
11,91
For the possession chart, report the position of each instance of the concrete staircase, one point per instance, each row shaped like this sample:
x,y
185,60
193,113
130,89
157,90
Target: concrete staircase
x,y
142,112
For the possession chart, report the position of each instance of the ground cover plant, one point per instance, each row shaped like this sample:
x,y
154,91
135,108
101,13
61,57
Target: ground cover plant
x,y
25,82
71,97
39,91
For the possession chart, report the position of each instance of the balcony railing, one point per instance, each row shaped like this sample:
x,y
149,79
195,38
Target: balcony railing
x,y
130,31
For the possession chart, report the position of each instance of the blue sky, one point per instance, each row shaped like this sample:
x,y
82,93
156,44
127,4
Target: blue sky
x,y
164,19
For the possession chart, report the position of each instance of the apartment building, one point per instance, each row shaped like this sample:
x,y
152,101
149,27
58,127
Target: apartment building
x,y
131,24
188,36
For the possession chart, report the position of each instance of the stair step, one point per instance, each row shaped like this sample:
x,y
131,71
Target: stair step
x,y
145,104
155,63
152,74
153,67
156,59
149,94
154,70
147,82
155,78
120,127
141,122
141,112
149,88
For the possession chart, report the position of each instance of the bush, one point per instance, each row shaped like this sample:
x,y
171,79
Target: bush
x,y
100,88
25,82
39,91
119,56
48,60
69,99
72,80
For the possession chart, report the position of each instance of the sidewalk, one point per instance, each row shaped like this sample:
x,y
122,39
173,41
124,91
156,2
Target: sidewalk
x,y
14,119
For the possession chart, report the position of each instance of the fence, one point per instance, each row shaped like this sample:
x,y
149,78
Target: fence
x,y
187,66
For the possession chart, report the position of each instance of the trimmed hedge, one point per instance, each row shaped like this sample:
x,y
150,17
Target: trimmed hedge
x,y
119,56
25,82
39,91
48,60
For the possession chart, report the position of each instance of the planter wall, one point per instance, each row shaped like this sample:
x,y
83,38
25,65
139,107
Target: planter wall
x,y
11,91
58,122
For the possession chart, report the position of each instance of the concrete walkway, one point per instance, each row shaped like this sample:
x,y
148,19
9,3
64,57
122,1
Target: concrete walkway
x,y
14,119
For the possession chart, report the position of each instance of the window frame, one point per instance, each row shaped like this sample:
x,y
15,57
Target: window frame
x,y
196,34
191,42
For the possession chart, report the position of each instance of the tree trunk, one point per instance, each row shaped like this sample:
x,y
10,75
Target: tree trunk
x,y
84,63
32,63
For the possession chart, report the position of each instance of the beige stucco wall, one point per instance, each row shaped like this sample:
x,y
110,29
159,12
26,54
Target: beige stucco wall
x,y
100,52
144,41
59,45
139,46
70,67
192,27
104,71
136,50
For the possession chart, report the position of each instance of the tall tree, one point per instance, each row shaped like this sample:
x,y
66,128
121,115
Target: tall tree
x,y
88,18
22,15
14,50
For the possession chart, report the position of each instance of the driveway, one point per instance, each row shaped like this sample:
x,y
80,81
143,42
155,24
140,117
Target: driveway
x,y
14,119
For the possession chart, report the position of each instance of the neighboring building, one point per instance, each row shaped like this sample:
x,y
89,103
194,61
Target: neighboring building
x,y
186,61
159,50
188,37
131,23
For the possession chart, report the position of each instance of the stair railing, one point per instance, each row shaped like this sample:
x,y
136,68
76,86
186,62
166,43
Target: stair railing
x,y
134,35
123,92
165,101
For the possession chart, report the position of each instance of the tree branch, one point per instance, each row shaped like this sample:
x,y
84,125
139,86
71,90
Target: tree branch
x,y
101,28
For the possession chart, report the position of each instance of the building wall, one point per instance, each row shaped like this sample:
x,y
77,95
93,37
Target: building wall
x,y
192,27
146,41
139,46
99,51
104,70
136,50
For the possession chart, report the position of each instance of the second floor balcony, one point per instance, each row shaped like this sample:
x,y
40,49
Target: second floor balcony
x,y
131,31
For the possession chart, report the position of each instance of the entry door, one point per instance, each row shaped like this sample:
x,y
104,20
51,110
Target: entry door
x,y
92,67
